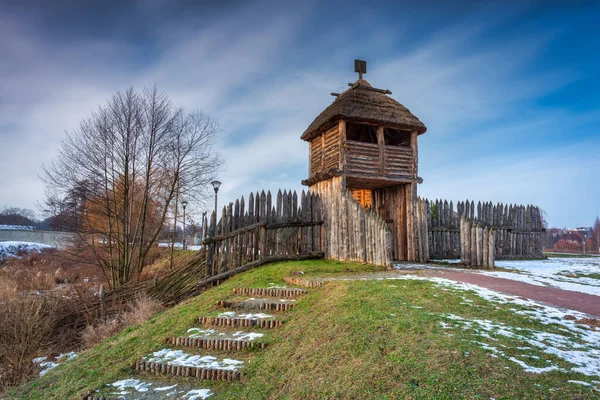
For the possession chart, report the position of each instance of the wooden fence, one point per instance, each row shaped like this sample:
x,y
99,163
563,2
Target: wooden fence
x,y
477,244
287,227
518,229
351,233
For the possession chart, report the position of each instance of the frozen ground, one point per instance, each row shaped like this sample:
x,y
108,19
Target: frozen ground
x,y
16,249
136,389
48,363
178,357
213,334
567,346
575,274
233,314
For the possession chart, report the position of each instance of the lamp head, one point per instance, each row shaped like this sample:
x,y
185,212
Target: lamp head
x,y
216,185
184,203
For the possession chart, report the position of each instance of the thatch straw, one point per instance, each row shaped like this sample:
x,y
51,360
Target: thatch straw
x,y
361,103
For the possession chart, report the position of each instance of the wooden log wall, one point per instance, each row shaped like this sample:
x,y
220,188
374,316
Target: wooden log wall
x,y
351,233
519,229
477,244
399,162
287,225
362,158
324,151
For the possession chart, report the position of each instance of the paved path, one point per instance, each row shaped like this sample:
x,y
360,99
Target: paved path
x,y
583,302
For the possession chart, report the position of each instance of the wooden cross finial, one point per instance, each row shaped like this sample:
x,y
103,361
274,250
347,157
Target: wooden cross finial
x,y
360,66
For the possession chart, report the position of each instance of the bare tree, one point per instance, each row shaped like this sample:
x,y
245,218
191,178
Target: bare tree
x,y
119,173
595,236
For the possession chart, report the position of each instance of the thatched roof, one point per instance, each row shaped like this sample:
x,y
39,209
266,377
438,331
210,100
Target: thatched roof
x,y
362,103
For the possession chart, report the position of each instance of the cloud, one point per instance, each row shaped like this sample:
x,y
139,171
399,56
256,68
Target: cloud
x,y
265,72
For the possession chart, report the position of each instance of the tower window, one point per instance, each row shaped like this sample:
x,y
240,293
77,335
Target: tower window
x,y
395,137
361,133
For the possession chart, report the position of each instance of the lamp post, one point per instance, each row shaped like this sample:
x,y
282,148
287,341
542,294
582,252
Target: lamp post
x,y
184,204
216,185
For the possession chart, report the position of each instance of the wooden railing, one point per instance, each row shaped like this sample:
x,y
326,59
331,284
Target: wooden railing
x,y
362,158
265,232
398,161
365,159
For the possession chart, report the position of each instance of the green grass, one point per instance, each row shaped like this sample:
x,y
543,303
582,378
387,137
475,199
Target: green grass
x,y
348,339
569,255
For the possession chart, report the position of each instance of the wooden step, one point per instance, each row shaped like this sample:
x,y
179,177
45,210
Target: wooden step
x,y
256,305
309,283
214,344
267,323
210,374
100,398
288,293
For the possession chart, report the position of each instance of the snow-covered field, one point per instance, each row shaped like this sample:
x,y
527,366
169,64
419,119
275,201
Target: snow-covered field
x,y
15,249
576,274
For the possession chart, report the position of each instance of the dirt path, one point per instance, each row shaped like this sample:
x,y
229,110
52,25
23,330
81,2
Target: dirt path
x,y
577,301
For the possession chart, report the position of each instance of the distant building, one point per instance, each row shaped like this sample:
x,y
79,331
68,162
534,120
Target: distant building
x,y
582,231
16,228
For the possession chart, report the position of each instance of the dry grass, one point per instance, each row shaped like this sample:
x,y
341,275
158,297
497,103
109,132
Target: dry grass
x,y
27,322
137,312
36,292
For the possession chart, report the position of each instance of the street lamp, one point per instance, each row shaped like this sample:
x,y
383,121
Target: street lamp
x,y
216,185
184,204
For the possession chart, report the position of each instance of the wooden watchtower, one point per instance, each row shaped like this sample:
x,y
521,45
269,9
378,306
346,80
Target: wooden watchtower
x,y
365,143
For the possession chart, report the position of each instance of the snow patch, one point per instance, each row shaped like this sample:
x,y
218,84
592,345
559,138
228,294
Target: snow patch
x,y
178,357
16,249
208,333
233,314
130,386
46,364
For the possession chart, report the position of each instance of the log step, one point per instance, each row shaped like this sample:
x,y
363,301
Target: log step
x,y
309,283
271,292
214,344
256,305
100,398
210,374
241,322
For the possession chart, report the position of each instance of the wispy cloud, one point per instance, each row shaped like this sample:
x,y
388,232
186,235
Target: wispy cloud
x,y
265,74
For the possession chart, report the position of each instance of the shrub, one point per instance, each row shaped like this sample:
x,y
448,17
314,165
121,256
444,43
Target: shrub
x,y
27,321
136,312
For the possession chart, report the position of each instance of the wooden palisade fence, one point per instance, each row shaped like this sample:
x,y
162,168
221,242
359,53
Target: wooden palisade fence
x,y
477,244
351,233
287,227
518,229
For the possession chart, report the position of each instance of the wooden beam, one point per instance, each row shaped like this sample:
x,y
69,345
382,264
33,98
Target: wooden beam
x,y
342,133
415,149
381,142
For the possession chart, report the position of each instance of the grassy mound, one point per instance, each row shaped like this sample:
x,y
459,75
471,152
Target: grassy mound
x,y
348,339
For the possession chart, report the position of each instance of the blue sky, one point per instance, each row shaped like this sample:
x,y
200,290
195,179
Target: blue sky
x,y
509,92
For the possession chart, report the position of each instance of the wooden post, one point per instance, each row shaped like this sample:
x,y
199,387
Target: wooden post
x,y
381,142
486,247
342,133
492,244
473,243
415,151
